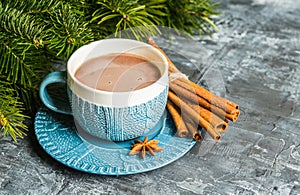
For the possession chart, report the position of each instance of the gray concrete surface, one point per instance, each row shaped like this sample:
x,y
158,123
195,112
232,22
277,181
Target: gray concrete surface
x,y
258,52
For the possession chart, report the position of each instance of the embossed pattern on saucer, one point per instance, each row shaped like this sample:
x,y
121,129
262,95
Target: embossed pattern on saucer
x,y
57,135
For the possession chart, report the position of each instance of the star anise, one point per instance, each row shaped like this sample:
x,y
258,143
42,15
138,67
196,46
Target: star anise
x,y
143,146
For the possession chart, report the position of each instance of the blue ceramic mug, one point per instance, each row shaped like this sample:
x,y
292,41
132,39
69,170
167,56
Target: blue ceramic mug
x,y
115,116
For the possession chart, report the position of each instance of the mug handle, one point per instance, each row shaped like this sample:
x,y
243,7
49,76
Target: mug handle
x,y
58,103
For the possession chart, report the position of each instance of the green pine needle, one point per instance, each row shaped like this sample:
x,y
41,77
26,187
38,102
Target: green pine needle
x,y
11,112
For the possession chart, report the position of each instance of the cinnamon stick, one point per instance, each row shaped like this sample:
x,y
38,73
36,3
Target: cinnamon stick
x,y
182,130
214,120
198,105
214,133
192,97
193,129
218,101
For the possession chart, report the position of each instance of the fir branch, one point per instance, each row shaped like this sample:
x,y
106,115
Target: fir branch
x,y
191,15
128,14
23,60
21,39
185,16
11,112
68,31
32,6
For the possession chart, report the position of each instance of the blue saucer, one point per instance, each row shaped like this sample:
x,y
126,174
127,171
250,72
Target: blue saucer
x,y
59,137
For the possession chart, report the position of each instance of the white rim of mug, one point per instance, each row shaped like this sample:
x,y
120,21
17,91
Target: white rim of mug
x,y
144,45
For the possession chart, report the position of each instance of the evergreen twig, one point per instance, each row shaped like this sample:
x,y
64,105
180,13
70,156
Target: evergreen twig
x,y
11,112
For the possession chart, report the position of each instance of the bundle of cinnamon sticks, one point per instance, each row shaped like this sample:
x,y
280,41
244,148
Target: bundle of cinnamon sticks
x,y
191,105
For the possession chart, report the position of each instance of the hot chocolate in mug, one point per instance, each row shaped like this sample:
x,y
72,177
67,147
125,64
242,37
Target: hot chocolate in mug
x,y
125,111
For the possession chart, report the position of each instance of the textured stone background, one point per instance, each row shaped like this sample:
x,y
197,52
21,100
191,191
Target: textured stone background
x,y
258,52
